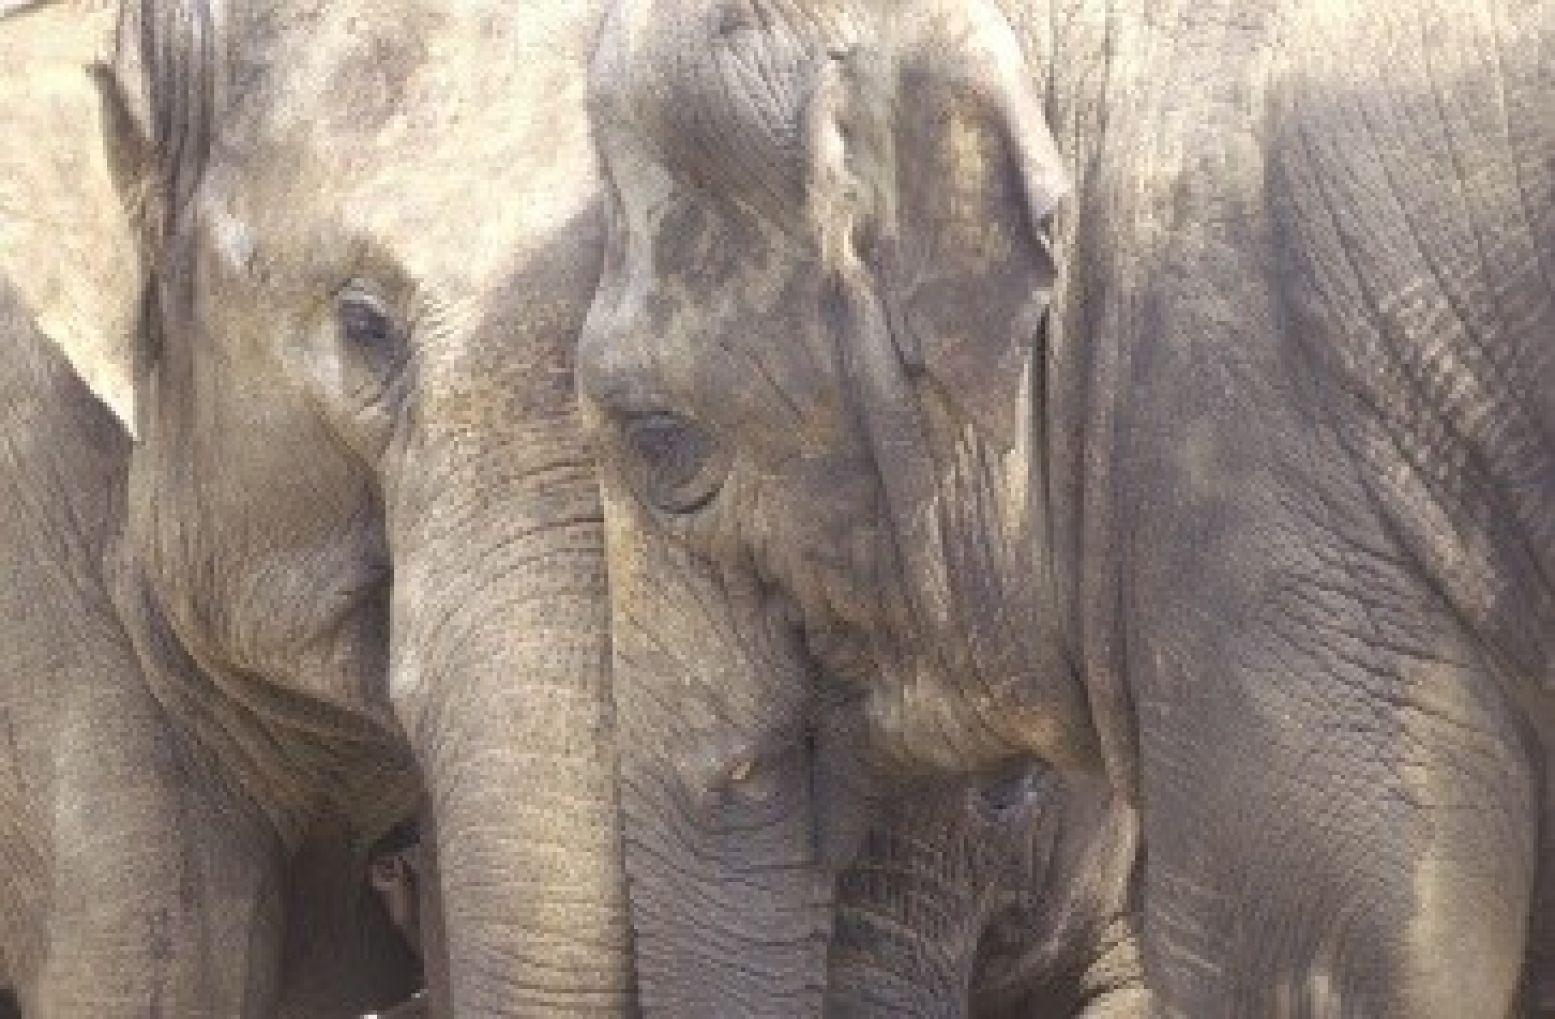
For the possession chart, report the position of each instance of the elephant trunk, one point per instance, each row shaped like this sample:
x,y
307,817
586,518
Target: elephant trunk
x,y
501,657
731,902
716,937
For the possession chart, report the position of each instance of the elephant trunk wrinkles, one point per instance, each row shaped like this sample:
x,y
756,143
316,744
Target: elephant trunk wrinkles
x,y
499,672
714,940
731,888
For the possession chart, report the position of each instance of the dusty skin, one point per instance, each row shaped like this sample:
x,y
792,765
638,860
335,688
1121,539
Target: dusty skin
x,y
215,330
326,264
146,740
1075,533
1165,390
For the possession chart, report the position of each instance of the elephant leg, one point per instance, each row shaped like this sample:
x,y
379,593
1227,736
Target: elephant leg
x,y
188,925
1327,851
8,1007
164,889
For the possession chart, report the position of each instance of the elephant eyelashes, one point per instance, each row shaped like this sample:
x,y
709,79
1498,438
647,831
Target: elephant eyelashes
x,y
679,466
364,321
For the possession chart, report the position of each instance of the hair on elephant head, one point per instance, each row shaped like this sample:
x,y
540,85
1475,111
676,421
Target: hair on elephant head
x,y
812,368
329,264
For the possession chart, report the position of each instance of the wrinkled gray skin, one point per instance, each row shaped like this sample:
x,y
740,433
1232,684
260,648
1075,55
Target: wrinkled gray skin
x,y
92,776
1255,522
1001,896
361,239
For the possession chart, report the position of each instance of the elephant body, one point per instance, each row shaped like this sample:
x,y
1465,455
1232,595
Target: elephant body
x,y
1160,390
326,266
70,680
1343,464
232,733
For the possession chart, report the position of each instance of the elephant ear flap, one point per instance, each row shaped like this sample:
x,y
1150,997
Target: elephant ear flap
x,y
938,170
68,244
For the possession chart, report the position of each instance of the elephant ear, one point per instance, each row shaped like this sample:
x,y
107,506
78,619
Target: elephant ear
x,y
933,169
68,242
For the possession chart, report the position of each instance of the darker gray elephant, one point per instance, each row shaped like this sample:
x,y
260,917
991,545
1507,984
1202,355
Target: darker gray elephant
x,y
327,265
1226,477
1002,895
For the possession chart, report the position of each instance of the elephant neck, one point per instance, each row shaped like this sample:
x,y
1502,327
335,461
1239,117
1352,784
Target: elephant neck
x,y
285,756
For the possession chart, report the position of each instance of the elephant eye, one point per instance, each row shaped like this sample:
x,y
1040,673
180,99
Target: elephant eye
x,y
680,466
363,318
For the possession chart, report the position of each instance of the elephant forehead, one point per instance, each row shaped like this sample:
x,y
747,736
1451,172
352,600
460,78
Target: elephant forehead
x,y
716,89
453,135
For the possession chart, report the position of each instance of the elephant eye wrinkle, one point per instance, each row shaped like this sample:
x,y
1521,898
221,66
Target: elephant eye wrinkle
x,y
676,459
1006,795
364,320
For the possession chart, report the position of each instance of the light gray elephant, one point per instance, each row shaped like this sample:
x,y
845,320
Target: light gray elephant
x,y
93,778
327,264
1163,389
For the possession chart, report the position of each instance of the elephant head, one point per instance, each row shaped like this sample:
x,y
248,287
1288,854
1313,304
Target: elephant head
x,y
328,263
811,369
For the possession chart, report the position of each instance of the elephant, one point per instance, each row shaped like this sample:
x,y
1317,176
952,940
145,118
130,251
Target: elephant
x,y
91,778
1164,390
317,273
1001,895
